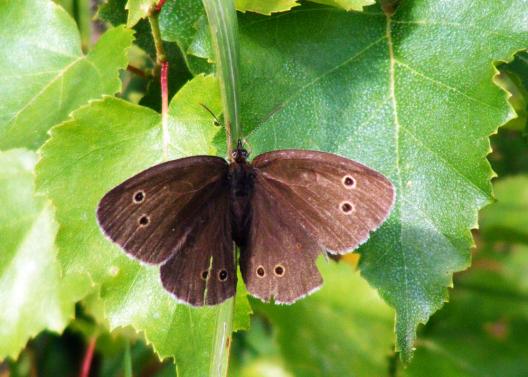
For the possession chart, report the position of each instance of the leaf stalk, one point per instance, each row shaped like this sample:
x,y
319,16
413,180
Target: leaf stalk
x,y
222,18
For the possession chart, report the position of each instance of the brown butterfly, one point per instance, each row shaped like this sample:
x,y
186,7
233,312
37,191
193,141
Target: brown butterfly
x,y
283,209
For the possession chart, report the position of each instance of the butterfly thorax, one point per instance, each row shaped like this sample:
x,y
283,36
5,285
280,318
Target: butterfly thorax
x,y
240,178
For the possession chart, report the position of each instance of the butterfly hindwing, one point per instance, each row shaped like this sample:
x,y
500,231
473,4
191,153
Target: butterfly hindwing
x,y
203,271
278,261
336,200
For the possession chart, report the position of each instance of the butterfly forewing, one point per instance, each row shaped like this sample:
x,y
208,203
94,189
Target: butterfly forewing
x,y
177,213
150,214
336,200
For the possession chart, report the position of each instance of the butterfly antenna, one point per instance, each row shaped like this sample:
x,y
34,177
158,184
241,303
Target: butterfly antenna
x,y
216,121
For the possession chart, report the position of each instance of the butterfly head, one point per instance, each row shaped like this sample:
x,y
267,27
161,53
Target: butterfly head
x,y
240,154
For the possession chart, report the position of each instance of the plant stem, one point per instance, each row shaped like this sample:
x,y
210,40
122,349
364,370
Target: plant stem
x,y
163,64
222,18
88,357
160,5
165,107
222,343
127,361
138,71
156,34
224,34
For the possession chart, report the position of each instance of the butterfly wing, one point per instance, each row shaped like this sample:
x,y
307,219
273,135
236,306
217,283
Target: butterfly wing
x,y
336,200
203,271
165,215
304,203
150,214
278,260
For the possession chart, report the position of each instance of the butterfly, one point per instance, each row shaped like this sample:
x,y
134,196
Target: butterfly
x,y
283,209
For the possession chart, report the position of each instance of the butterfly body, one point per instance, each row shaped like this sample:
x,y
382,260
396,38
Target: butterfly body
x,y
241,180
282,210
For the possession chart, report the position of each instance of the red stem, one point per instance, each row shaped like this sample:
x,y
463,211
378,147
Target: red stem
x,y
88,357
160,5
164,88
137,71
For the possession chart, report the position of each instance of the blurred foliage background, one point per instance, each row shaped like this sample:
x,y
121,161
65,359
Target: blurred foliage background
x,y
483,331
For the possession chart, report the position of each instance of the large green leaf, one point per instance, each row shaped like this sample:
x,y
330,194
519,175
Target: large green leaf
x,y
410,95
30,288
105,143
343,330
43,73
179,22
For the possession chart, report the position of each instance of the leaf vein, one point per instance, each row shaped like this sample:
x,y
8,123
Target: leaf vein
x,y
315,80
444,85
445,161
43,90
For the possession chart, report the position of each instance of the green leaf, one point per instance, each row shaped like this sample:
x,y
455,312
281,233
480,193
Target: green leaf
x,y
402,95
179,21
105,143
138,9
356,5
507,220
30,288
268,7
201,43
489,339
265,6
41,64
331,333
114,12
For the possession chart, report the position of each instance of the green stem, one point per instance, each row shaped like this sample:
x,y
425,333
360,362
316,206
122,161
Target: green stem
x,y
222,19
224,34
162,66
161,57
222,342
